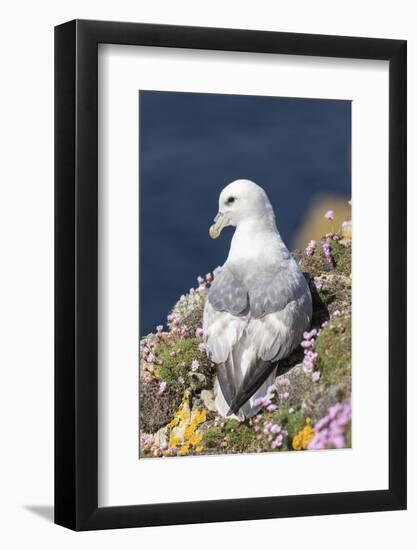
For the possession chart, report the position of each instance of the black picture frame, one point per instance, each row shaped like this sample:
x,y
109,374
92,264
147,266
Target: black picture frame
x,y
76,272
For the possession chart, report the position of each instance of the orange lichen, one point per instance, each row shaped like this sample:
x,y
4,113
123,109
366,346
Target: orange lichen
x,y
301,440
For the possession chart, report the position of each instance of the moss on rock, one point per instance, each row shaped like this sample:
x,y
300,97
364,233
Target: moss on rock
x,y
176,356
333,346
335,291
316,264
291,420
230,436
341,252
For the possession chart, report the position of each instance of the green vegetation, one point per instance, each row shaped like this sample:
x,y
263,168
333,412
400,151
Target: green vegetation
x,y
176,356
333,346
230,436
341,252
175,369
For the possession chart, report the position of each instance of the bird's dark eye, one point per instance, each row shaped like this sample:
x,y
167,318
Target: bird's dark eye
x,y
230,200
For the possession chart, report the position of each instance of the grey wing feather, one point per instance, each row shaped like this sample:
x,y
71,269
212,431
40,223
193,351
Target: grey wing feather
x,y
275,287
222,332
228,293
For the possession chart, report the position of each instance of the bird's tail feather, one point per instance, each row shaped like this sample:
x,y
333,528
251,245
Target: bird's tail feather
x,y
235,390
250,385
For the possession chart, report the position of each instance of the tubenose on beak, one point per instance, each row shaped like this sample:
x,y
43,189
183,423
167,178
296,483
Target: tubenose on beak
x,y
220,221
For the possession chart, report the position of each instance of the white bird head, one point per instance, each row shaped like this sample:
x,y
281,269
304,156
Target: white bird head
x,y
240,201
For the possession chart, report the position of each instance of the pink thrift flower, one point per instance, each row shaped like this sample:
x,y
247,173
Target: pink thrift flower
x,y
184,332
329,215
199,332
209,277
311,247
260,401
200,280
310,335
194,365
159,328
201,347
285,395
307,366
307,344
327,253
267,427
277,442
162,387
271,408
283,382
315,377
336,313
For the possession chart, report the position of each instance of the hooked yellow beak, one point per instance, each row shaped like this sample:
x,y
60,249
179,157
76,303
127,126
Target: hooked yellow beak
x,y
220,221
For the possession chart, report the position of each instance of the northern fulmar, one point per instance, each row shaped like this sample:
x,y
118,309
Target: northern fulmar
x,y
258,305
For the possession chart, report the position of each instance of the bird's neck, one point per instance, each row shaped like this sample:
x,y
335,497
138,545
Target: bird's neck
x,y
254,237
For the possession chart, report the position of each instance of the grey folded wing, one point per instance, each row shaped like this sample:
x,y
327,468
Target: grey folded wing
x,y
266,311
229,293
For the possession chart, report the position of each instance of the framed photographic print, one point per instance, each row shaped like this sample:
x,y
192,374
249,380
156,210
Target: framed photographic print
x,y
230,274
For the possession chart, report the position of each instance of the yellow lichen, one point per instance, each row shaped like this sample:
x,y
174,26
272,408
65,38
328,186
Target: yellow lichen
x,y
173,423
195,439
301,440
182,430
184,450
199,416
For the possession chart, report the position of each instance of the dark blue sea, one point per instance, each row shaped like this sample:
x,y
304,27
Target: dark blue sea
x,y
193,145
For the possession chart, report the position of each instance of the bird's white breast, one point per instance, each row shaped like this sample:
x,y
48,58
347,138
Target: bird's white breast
x,y
248,243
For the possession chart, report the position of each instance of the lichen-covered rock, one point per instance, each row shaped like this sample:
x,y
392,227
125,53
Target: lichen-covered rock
x,y
178,415
156,408
161,437
298,385
198,381
189,309
317,401
207,397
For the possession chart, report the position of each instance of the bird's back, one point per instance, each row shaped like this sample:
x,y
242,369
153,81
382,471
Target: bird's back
x,y
252,320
